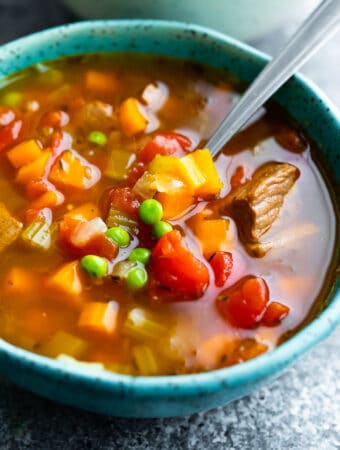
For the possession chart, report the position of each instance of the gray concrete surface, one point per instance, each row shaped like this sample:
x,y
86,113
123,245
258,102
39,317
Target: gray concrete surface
x,y
300,410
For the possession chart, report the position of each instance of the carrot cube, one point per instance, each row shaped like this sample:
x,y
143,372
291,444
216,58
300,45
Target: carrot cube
x,y
24,153
34,169
131,118
100,82
174,204
85,212
71,170
66,282
99,319
213,235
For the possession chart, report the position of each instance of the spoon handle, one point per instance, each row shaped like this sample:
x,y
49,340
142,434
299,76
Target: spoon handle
x,y
316,30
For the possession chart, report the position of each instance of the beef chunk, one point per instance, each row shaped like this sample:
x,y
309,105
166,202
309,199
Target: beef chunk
x,y
10,228
256,204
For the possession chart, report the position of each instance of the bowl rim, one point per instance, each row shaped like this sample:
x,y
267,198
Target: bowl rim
x,y
204,382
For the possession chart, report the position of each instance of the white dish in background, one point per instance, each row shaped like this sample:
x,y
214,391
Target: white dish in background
x,y
243,19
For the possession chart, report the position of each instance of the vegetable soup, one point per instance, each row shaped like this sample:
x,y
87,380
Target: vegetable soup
x,y
125,246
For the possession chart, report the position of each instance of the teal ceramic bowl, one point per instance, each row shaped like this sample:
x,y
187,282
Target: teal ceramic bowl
x,y
122,395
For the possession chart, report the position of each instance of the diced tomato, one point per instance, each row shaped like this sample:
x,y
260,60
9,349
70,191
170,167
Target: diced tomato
x,y
237,178
222,264
174,267
86,237
55,119
164,144
275,312
7,115
101,245
9,134
124,199
244,304
136,171
290,139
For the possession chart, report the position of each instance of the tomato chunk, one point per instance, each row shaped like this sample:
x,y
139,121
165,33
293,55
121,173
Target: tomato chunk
x,y
55,119
9,134
124,199
244,304
222,264
275,313
175,268
238,177
164,144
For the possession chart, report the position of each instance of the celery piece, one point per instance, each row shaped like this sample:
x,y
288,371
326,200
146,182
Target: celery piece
x,y
143,325
121,269
63,342
37,235
118,164
72,363
116,218
145,360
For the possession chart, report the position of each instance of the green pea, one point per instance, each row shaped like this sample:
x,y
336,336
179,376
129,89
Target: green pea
x,y
119,236
151,211
95,266
141,255
136,278
12,99
97,137
161,228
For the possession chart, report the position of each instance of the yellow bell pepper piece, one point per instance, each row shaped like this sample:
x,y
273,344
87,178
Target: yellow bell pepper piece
x,y
173,166
204,161
194,175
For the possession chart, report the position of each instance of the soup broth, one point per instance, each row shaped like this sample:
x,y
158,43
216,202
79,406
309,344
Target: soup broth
x,y
228,261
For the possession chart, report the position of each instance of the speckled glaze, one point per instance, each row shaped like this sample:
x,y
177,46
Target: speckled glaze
x,y
122,395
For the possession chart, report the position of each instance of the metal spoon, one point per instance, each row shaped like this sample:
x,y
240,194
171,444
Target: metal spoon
x,y
314,32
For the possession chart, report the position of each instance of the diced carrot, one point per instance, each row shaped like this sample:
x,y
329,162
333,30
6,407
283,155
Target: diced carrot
x,y
24,153
87,211
213,235
100,319
248,349
71,170
49,199
131,118
55,119
33,170
174,204
20,281
205,163
100,82
215,351
67,284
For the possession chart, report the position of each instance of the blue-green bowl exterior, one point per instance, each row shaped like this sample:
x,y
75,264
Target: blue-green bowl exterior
x,y
122,395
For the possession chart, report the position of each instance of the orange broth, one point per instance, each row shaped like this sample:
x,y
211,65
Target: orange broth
x,y
178,336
